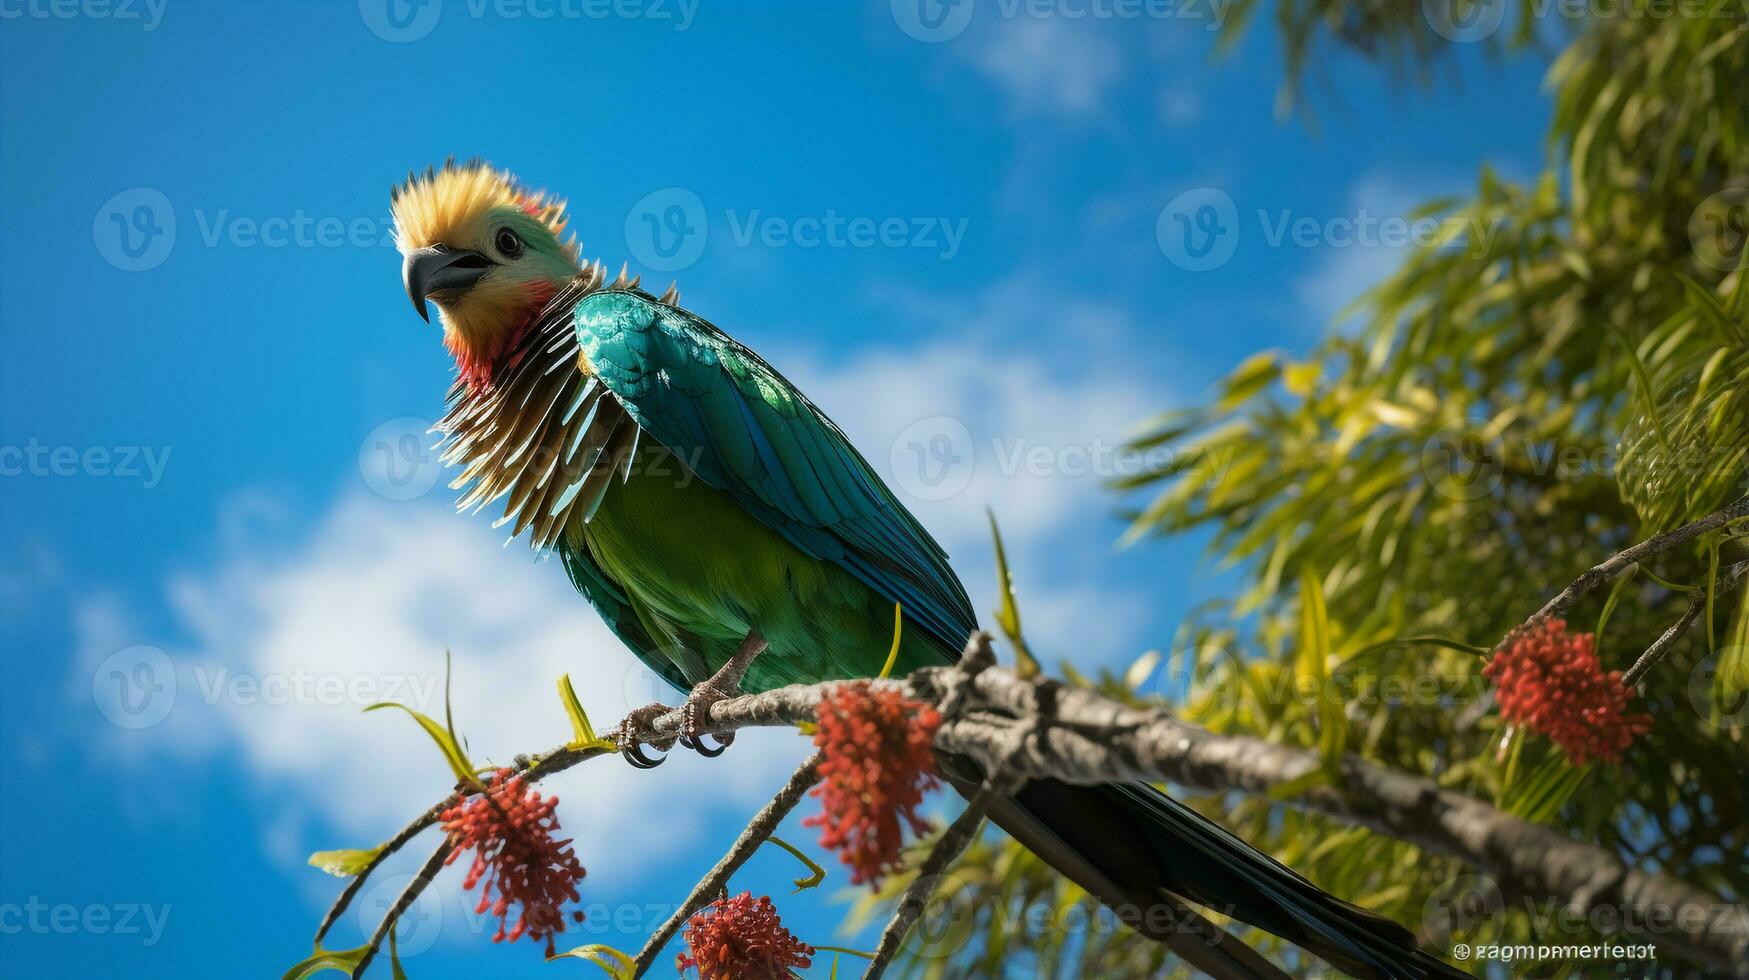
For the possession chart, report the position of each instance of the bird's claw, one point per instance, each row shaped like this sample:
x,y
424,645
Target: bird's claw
x,y
631,737
698,744
635,731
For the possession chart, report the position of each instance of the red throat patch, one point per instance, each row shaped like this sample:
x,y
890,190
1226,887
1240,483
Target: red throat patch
x,y
480,365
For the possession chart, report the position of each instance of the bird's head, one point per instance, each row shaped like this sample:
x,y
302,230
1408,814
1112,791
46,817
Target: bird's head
x,y
487,250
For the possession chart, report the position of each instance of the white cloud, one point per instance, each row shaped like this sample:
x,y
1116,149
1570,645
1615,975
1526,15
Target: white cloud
x,y
993,418
290,643
1050,66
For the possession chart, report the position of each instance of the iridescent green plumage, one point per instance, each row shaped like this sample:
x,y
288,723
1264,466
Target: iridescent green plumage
x,y
700,502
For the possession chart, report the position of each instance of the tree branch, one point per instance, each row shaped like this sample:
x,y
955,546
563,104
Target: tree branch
x,y
995,722
1696,605
756,834
1656,544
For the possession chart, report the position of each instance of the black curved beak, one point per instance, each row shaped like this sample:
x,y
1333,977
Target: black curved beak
x,y
435,269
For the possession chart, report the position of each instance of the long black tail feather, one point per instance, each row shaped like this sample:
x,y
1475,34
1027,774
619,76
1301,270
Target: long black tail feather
x,y
1144,853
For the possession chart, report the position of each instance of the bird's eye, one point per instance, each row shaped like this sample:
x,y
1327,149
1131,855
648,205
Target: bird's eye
x,y
509,243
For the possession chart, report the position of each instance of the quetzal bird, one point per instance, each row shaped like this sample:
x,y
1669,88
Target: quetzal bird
x,y
732,537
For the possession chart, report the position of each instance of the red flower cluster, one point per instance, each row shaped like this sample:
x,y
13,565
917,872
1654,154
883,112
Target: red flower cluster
x,y
510,829
741,938
1551,682
877,767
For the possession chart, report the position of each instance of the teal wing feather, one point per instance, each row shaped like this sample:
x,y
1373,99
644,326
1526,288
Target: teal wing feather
x,y
747,431
616,610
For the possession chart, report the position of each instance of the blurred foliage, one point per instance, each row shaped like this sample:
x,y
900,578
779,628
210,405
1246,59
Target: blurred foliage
x,y
1566,373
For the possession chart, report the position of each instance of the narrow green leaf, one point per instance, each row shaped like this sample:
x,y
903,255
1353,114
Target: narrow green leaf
x,y
1615,593
1008,614
345,863
340,961
1714,312
582,732
1299,784
452,751
395,953
1314,668
1141,670
618,965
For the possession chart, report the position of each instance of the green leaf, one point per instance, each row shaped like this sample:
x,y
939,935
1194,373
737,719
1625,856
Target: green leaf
x,y
1008,615
1299,784
1615,593
618,965
395,953
345,863
452,752
816,874
1143,668
1542,795
1314,668
1714,312
582,732
340,961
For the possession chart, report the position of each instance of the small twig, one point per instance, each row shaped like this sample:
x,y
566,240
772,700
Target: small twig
x,y
1656,544
756,833
1697,605
390,846
409,895
916,895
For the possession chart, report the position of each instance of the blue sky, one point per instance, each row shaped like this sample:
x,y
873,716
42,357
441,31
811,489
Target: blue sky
x,y
227,537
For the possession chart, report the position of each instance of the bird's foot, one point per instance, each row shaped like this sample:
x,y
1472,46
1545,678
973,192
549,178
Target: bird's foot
x,y
695,712
635,732
638,729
